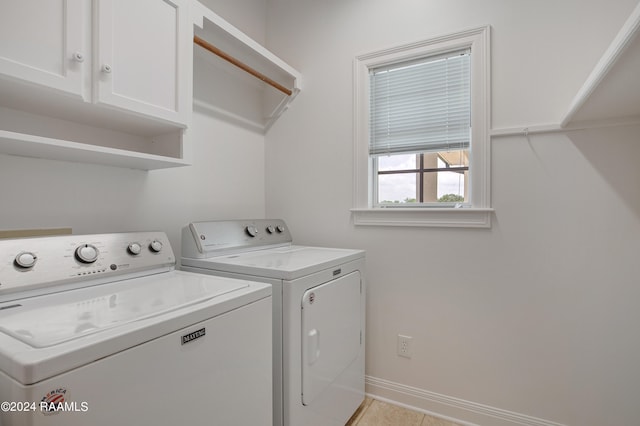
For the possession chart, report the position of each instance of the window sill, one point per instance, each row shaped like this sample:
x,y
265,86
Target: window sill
x,y
432,217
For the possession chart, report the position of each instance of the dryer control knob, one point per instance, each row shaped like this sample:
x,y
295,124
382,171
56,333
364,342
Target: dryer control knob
x,y
87,253
271,229
280,228
251,230
134,249
26,259
155,246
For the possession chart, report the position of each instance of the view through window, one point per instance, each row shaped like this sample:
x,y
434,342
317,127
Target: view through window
x,y
423,178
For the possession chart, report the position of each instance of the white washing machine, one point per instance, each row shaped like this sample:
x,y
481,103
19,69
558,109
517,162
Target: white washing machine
x,y
101,330
318,312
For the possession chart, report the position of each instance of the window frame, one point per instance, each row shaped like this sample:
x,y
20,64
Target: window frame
x,y
478,212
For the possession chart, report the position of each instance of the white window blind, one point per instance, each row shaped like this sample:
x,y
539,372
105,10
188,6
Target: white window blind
x,y
421,105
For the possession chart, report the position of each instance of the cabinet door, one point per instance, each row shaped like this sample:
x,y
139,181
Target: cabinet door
x,y
42,42
142,62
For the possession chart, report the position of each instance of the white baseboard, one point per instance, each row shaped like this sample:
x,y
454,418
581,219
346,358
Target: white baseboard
x,y
450,408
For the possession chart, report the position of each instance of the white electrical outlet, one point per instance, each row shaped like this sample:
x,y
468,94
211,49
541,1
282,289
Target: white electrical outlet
x,y
404,346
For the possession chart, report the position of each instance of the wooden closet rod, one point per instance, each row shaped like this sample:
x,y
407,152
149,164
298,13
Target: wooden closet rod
x,y
211,48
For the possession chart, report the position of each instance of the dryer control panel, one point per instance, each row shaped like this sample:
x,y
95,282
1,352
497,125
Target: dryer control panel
x,y
202,240
41,265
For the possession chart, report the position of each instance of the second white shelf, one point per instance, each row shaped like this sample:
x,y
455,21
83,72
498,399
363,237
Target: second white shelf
x,y
220,87
611,93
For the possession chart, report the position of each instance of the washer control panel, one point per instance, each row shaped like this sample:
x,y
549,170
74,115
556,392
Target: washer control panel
x,y
216,238
37,263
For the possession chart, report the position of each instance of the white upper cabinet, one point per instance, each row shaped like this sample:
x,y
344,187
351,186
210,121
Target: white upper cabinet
x,y
101,81
131,56
141,55
46,48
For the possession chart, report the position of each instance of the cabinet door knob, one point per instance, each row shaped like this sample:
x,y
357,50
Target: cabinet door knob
x,y
106,68
78,56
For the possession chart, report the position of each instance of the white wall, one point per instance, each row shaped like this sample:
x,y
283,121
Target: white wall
x,y
225,182
534,317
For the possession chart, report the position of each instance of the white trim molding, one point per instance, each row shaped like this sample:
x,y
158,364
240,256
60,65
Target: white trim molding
x,y
448,407
434,217
478,214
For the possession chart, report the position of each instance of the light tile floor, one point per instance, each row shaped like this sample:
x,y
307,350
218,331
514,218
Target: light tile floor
x,y
377,413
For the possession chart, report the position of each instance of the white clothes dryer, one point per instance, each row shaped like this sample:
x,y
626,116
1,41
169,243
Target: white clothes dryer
x,y
101,330
318,312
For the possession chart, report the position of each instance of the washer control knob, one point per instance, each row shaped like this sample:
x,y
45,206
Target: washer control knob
x,y
251,230
26,259
155,246
87,253
134,249
271,229
280,228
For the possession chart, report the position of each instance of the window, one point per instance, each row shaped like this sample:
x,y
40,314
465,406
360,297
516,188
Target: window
x,y
421,133
421,106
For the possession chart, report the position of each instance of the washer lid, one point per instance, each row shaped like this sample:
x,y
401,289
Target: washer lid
x,y
48,320
282,263
161,304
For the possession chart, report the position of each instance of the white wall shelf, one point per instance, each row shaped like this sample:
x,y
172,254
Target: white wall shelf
x,y
225,90
25,145
611,93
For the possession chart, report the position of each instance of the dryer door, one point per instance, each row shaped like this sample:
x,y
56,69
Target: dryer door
x,y
330,333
